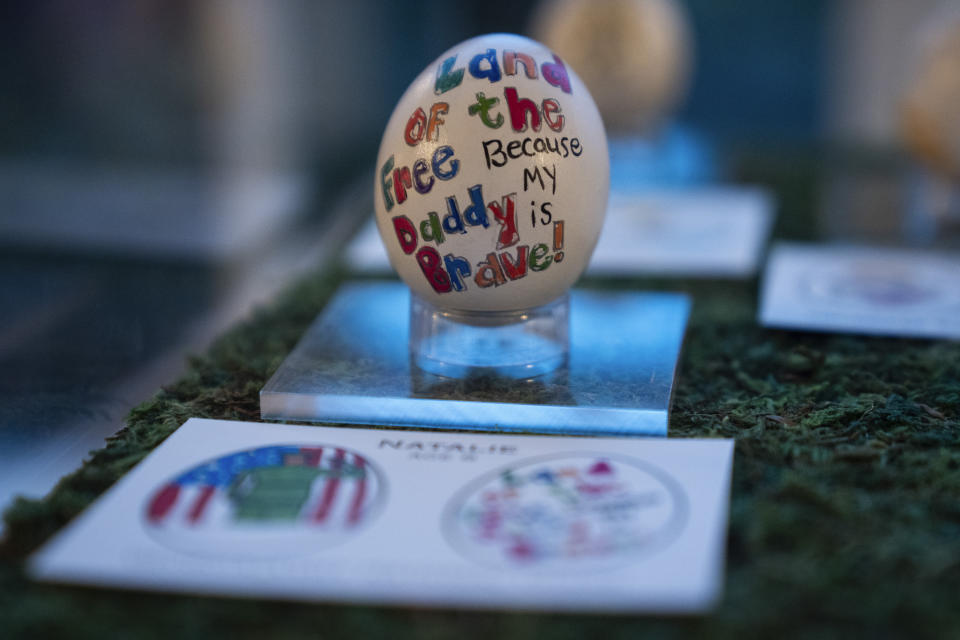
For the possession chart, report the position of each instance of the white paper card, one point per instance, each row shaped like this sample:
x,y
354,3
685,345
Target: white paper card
x,y
892,292
706,232
411,517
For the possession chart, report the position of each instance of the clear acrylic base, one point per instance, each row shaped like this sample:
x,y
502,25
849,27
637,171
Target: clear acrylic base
x,y
514,344
354,366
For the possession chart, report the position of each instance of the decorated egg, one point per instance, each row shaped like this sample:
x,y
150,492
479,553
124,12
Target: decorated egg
x,y
930,114
492,177
634,55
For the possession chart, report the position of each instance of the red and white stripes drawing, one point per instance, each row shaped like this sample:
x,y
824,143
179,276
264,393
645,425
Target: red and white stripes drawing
x,y
275,491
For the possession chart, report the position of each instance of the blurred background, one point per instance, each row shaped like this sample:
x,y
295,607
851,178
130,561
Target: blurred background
x,y
166,165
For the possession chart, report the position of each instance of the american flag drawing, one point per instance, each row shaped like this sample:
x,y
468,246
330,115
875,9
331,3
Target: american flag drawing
x,y
319,486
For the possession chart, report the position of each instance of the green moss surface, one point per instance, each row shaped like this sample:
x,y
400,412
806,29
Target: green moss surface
x,y
845,507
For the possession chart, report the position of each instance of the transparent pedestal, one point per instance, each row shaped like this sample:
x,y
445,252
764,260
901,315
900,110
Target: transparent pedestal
x,y
514,344
354,365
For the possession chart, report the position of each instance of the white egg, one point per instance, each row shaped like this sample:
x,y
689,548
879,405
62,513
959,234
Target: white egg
x,y
492,177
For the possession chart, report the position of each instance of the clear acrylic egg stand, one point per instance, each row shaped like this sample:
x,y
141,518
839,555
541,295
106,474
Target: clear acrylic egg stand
x,y
357,365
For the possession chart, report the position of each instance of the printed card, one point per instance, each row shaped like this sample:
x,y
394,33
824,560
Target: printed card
x,y
410,517
890,292
707,232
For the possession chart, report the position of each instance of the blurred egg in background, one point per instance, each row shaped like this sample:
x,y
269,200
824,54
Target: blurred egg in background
x,y
634,55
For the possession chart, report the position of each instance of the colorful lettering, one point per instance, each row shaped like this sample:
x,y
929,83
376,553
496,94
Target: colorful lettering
x,y
420,167
406,233
431,230
450,272
485,65
416,125
386,183
539,260
474,215
401,180
558,240
510,59
432,266
440,156
551,107
447,78
457,268
489,273
556,74
519,109
433,126
505,213
492,72
483,106
515,269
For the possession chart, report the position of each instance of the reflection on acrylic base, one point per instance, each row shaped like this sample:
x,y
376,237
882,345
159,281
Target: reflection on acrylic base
x,y
354,366
513,344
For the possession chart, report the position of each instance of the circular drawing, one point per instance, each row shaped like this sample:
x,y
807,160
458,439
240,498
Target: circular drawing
x,y
578,510
267,502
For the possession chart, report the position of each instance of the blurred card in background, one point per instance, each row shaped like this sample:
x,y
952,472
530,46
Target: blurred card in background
x,y
411,517
846,289
703,232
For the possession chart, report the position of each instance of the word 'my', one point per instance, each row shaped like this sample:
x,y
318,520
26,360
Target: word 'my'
x,y
485,65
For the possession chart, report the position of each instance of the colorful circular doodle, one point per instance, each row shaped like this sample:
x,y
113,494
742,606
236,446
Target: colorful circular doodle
x,y
268,502
579,510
